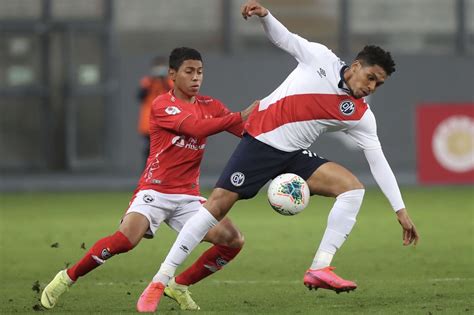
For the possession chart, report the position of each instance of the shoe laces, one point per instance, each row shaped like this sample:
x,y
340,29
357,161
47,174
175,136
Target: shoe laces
x,y
57,290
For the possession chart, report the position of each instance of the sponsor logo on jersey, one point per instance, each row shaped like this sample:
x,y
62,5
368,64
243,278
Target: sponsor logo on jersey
x,y
189,143
347,107
148,198
237,179
178,141
172,110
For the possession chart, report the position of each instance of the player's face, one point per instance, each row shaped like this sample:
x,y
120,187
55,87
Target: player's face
x,y
188,78
364,80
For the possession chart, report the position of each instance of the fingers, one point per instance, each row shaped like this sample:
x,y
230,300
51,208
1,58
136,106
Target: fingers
x,y
416,237
248,10
406,237
410,236
244,10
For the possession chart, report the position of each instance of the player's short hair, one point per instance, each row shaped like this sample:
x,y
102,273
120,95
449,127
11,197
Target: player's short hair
x,y
374,55
179,55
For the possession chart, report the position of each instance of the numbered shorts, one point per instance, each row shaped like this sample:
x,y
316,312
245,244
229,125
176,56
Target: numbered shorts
x,y
173,209
254,163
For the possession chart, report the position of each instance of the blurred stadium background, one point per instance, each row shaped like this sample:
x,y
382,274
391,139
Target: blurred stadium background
x,y
69,72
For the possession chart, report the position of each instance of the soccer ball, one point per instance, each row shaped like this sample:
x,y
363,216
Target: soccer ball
x,y
288,194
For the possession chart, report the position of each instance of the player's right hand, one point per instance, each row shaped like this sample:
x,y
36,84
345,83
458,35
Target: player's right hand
x,y
252,7
246,112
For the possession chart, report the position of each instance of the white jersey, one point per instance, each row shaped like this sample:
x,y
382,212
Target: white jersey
x,y
313,100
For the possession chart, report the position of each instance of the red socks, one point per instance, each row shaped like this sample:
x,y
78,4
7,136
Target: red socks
x,y
102,250
211,261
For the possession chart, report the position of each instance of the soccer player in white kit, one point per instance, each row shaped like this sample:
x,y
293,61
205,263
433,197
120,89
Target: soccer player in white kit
x,y
321,95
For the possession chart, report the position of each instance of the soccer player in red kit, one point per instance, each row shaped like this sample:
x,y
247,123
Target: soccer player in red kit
x,y
168,189
322,94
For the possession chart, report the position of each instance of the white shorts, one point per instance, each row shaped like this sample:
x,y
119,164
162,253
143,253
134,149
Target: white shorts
x,y
174,209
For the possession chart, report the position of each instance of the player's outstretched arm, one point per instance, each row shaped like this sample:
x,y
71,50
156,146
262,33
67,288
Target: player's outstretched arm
x,y
201,128
410,234
238,129
279,35
386,180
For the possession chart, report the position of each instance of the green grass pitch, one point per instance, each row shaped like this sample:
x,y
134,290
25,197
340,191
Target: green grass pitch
x,y
436,277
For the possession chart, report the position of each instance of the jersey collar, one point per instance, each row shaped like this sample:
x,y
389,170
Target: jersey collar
x,y
342,83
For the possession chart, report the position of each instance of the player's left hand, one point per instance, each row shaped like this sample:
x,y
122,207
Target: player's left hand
x,y
252,7
410,234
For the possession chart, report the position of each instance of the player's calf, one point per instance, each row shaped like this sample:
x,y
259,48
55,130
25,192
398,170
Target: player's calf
x,y
102,250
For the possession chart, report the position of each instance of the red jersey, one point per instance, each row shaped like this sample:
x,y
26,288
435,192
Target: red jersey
x,y
178,133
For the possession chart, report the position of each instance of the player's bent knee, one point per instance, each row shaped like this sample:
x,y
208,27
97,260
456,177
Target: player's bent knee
x,y
226,234
356,184
348,184
237,241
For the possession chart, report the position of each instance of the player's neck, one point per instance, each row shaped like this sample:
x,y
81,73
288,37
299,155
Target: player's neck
x,y
347,75
184,97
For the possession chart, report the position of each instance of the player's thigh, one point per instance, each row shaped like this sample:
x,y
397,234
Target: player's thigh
x,y
180,215
225,233
220,202
147,210
252,164
331,180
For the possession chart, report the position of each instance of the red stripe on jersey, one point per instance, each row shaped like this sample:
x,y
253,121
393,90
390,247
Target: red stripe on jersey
x,y
304,107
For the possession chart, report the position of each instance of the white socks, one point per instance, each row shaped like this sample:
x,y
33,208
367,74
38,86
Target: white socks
x,y
341,220
190,236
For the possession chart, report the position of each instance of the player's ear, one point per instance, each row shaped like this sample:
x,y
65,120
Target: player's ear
x,y
172,74
355,66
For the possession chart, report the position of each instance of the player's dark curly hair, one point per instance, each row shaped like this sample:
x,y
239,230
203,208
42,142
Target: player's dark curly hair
x,y
180,54
374,55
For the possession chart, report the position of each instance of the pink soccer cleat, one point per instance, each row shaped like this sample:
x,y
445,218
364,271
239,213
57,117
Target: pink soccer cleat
x,y
324,278
148,301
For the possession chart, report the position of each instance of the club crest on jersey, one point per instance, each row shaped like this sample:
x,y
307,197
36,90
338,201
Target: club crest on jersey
x,y
347,107
237,179
172,110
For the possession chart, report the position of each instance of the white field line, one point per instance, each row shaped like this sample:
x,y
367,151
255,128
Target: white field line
x,y
280,282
